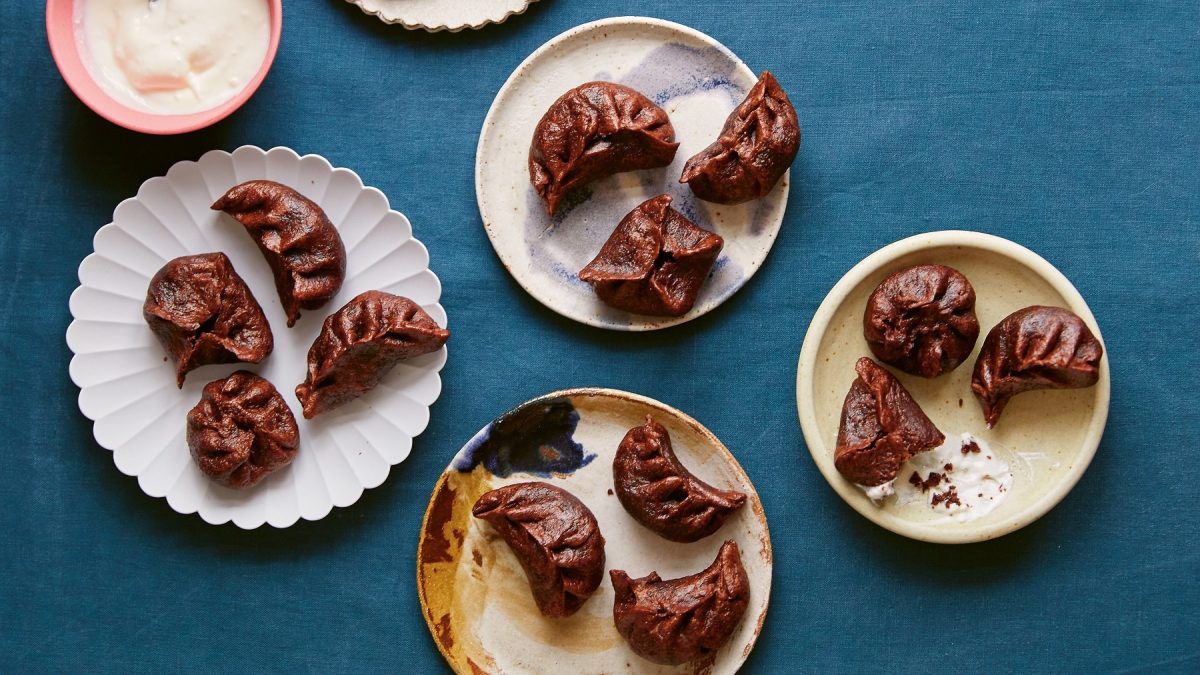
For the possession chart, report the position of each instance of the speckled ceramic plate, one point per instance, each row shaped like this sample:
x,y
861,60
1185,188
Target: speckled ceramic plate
x,y
1048,438
691,76
475,596
443,15
127,385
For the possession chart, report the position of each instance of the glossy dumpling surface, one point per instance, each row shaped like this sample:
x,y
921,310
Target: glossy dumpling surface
x,y
757,145
301,245
1034,348
593,131
922,320
882,427
241,431
659,492
202,313
655,261
360,343
554,536
677,621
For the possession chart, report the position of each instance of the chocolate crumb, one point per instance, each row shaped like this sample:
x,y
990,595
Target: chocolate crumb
x,y
969,447
949,497
933,480
960,402
610,492
949,468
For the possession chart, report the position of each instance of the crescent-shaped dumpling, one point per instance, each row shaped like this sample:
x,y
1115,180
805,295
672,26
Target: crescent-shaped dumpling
x,y
681,620
594,131
1034,348
362,342
301,245
554,536
659,491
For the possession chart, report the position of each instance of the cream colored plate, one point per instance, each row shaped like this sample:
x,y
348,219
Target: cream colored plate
x,y
1047,437
698,82
474,595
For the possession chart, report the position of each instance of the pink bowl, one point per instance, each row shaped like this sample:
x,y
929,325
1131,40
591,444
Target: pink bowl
x,y
60,30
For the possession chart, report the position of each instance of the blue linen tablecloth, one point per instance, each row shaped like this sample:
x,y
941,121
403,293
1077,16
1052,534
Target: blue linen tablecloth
x,y
1071,128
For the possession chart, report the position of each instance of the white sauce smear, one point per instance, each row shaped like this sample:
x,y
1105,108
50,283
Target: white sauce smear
x,y
174,56
963,479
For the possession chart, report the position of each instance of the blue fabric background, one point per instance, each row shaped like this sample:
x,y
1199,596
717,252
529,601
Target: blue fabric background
x,y
1071,128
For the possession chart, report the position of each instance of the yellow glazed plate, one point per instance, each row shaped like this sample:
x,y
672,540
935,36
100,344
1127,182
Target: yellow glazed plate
x,y
1047,437
475,596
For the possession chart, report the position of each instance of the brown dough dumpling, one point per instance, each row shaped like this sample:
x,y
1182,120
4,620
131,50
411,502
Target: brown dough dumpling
x,y
882,427
681,620
242,430
1034,348
554,536
203,313
757,145
654,262
660,493
302,247
594,131
362,342
922,320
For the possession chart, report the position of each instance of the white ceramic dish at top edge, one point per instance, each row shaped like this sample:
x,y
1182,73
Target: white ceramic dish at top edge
x,y
1049,437
698,81
127,385
476,599
436,16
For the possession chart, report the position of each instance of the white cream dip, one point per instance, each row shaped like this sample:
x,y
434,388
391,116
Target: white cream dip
x,y
173,56
971,480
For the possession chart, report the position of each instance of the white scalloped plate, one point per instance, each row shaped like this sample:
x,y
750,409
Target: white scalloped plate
x,y
127,384
698,81
442,15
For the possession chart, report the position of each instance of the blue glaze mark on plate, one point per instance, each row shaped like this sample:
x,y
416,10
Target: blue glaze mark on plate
x,y
536,439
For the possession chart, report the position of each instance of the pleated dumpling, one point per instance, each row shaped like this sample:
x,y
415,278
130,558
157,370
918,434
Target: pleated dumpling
x,y
757,145
1034,348
556,539
301,245
203,313
360,343
594,131
677,621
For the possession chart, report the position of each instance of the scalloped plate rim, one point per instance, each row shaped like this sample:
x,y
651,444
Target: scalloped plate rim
x,y
231,518
380,13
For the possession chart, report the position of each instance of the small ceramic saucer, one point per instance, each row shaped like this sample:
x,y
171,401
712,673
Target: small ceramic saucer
x,y
698,82
1047,437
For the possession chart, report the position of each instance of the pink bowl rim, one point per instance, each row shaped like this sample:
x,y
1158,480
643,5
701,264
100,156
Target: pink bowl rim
x,y
64,48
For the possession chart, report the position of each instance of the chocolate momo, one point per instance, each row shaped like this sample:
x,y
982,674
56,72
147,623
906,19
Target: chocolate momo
x,y
660,493
757,145
594,131
203,313
362,342
241,431
680,620
556,539
654,262
302,247
1034,348
922,320
882,427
